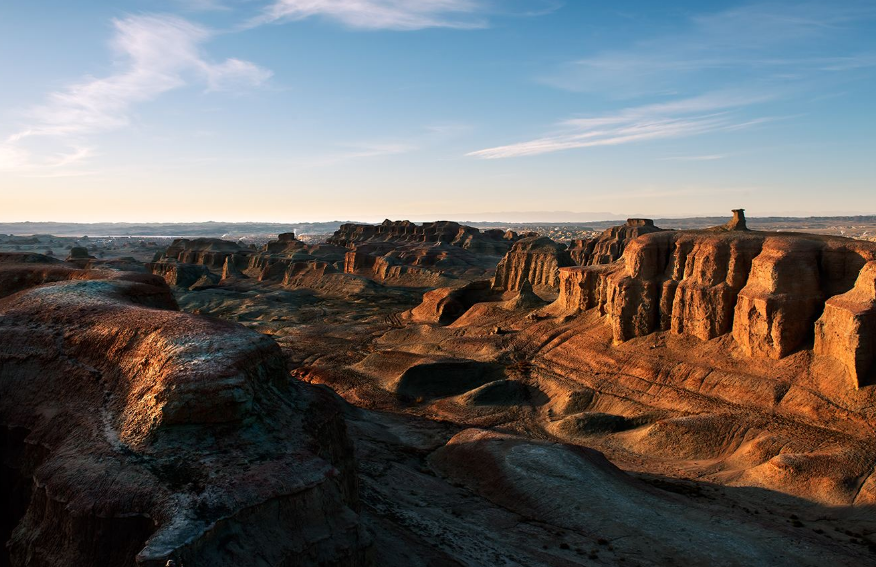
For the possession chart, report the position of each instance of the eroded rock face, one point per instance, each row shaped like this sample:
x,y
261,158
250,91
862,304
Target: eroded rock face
x,y
187,262
778,306
536,260
493,242
209,252
178,273
846,330
446,305
610,245
766,289
405,254
140,433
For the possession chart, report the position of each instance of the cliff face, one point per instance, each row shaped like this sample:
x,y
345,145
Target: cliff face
x,y
210,252
136,433
493,242
846,330
428,255
610,245
768,290
534,259
187,262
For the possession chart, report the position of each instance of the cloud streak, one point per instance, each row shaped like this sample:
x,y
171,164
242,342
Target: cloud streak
x,y
678,119
751,39
402,15
157,54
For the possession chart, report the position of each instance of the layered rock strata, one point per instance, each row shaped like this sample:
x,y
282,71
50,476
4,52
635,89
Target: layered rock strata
x,y
767,290
610,245
536,260
491,242
846,329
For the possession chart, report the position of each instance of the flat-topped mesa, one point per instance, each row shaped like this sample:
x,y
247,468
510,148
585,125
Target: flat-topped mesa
x,y
494,242
285,243
536,260
209,252
766,289
610,245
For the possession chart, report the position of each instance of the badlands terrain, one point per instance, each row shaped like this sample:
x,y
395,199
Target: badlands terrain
x,y
441,395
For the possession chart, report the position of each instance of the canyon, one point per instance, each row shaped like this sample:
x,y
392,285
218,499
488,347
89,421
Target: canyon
x,y
436,394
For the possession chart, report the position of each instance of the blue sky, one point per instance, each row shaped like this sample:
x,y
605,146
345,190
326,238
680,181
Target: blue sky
x,y
294,110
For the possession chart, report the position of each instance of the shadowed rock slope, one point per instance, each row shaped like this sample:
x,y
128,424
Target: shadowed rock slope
x,y
134,433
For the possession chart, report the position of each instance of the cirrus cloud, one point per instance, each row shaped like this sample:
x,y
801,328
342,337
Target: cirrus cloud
x,y
157,54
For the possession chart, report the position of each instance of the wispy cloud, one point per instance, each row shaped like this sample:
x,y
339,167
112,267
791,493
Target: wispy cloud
x,y
751,40
359,151
380,14
203,5
157,54
682,118
711,157
403,15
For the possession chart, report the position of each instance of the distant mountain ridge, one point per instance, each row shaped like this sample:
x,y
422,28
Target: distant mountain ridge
x,y
238,229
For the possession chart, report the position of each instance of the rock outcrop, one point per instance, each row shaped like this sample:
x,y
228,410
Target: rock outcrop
x,y
610,245
134,433
491,242
737,223
79,256
846,330
536,260
446,305
766,289
188,261
405,254
209,252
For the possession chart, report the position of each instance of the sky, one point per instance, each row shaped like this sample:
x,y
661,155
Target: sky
x,y
307,110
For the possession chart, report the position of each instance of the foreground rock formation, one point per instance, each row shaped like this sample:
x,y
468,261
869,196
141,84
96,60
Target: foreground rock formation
x,y
134,433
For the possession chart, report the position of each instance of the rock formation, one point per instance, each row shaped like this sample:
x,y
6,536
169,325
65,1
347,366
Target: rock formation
x,y
766,289
610,245
134,433
846,330
405,254
209,252
446,305
187,261
492,242
736,223
536,260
